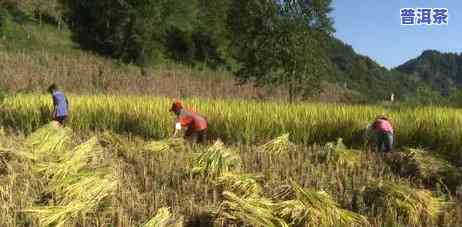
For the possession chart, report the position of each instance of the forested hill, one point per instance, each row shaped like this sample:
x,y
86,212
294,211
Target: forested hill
x,y
361,73
277,45
441,71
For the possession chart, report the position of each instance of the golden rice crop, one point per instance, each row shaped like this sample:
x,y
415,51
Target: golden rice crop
x,y
245,121
338,152
216,161
426,166
48,143
126,191
79,178
416,206
162,146
316,208
84,186
18,188
253,211
87,157
243,185
278,146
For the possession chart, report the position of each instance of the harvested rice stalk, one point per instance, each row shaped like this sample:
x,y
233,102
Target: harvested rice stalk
x,y
278,146
172,144
60,216
81,182
92,188
243,185
48,143
216,161
415,205
77,200
113,141
423,165
88,156
253,211
339,153
313,208
164,218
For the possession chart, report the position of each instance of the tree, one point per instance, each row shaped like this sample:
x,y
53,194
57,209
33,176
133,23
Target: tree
x,y
206,42
281,43
130,30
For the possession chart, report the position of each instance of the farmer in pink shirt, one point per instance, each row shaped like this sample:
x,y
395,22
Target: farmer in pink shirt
x,y
384,131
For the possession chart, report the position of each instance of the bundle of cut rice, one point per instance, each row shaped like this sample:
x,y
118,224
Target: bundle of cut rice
x,y
243,185
76,200
397,200
253,211
162,146
86,157
338,152
316,208
278,146
216,160
426,166
48,143
81,182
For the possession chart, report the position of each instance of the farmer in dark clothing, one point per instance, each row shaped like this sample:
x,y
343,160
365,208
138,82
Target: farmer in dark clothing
x,y
60,105
384,131
195,125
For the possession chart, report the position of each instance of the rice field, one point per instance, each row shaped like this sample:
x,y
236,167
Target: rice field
x,y
246,122
268,164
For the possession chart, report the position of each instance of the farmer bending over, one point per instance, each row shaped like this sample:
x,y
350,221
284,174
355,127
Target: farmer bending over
x,y
60,105
384,131
195,125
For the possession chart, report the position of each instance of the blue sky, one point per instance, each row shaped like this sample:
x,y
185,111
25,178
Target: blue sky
x,y
373,28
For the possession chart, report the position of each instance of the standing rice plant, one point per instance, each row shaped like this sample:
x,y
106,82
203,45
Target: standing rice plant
x,y
216,161
316,208
164,218
235,120
398,201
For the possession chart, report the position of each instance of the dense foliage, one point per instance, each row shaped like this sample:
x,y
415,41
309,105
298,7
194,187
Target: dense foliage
x,y
441,71
282,44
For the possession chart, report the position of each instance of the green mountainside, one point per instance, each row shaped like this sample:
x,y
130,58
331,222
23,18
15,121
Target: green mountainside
x,y
200,36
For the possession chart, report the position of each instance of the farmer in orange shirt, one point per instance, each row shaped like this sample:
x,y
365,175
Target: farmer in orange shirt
x,y
195,125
